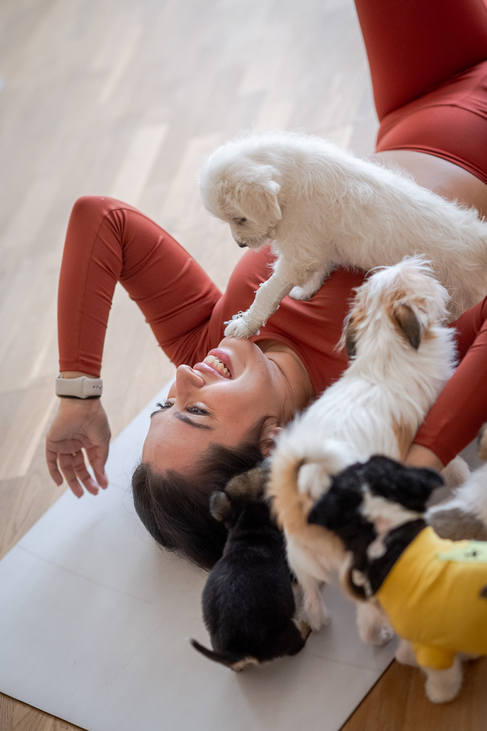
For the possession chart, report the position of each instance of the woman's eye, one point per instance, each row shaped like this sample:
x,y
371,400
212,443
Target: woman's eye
x,y
197,410
191,408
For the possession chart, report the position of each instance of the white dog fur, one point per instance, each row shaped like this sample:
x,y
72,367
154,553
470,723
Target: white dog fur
x,y
323,207
467,509
402,356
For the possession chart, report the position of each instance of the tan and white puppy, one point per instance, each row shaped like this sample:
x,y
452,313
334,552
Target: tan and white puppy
x,y
402,354
323,207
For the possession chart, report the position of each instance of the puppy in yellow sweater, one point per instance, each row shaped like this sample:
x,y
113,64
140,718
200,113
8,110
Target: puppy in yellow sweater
x,y
434,591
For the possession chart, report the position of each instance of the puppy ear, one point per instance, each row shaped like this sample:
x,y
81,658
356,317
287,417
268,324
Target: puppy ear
x,y
420,483
409,486
408,323
256,196
220,506
249,484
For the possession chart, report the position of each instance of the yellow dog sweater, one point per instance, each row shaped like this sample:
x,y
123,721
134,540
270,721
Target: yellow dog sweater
x,y
436,597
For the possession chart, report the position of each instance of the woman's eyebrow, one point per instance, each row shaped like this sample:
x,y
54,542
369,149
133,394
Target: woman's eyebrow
x,y
187,420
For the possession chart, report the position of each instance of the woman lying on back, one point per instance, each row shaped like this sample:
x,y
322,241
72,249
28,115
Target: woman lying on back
x,y
429,69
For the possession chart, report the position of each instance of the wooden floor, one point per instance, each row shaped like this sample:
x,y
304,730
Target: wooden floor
x,y
124,98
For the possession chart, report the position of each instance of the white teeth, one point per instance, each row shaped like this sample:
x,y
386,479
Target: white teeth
x,y
217,365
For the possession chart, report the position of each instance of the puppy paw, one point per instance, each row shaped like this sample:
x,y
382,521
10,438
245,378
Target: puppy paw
x,y
380,636
309,289
373,626
443,685
319,620
304,629
316,615
239,328
301,293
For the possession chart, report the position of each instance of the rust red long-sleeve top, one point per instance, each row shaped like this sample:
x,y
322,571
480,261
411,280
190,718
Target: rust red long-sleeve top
x,y
109,242
428,63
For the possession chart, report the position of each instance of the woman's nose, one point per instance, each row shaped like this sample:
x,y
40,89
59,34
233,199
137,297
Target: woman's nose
x,y
187,379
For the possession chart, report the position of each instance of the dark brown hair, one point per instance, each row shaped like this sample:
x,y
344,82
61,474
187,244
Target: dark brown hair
x,y
175,508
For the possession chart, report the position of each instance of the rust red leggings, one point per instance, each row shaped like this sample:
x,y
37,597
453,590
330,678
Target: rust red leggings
x,y
428,63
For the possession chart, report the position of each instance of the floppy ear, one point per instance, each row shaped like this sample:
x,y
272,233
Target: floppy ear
x,y
255,194
409,486
249,484
419,485
220,506
408,323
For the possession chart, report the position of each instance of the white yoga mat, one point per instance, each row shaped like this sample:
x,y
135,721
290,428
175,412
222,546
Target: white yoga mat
x,y
94,620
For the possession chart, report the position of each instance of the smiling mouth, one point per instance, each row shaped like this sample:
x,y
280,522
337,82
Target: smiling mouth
x,y
217,365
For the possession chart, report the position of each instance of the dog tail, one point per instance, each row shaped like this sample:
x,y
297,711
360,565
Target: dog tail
x,y
229,659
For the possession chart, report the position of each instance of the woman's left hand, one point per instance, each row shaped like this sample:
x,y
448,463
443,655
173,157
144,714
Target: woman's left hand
x,y
78,424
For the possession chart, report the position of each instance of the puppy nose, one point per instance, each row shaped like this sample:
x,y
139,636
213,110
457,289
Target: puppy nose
x,y
242,246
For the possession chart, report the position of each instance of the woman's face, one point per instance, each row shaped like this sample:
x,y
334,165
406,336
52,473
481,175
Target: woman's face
x,y
217,401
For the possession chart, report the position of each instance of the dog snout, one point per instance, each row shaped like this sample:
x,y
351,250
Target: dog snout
x,y
242,246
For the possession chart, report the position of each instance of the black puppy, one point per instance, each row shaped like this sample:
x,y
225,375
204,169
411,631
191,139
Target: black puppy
x,y
248,600
377,509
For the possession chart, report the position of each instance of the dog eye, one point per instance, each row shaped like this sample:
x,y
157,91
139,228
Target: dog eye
x,y
240,220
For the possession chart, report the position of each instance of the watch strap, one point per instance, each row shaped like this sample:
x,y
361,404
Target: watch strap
x,y
82,387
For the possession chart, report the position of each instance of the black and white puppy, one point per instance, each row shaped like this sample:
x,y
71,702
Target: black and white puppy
x,y
376,508
248,601
434,591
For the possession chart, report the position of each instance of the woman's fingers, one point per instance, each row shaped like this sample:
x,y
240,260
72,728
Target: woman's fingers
x,y
75,472
97,457
51,459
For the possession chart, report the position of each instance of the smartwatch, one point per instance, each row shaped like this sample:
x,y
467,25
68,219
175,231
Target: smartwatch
x,y
82,387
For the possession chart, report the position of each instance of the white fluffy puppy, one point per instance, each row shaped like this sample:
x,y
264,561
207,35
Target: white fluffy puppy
x,y
323,207
402,354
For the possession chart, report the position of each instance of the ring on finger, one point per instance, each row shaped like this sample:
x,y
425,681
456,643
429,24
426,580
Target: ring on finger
x,y
73,454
